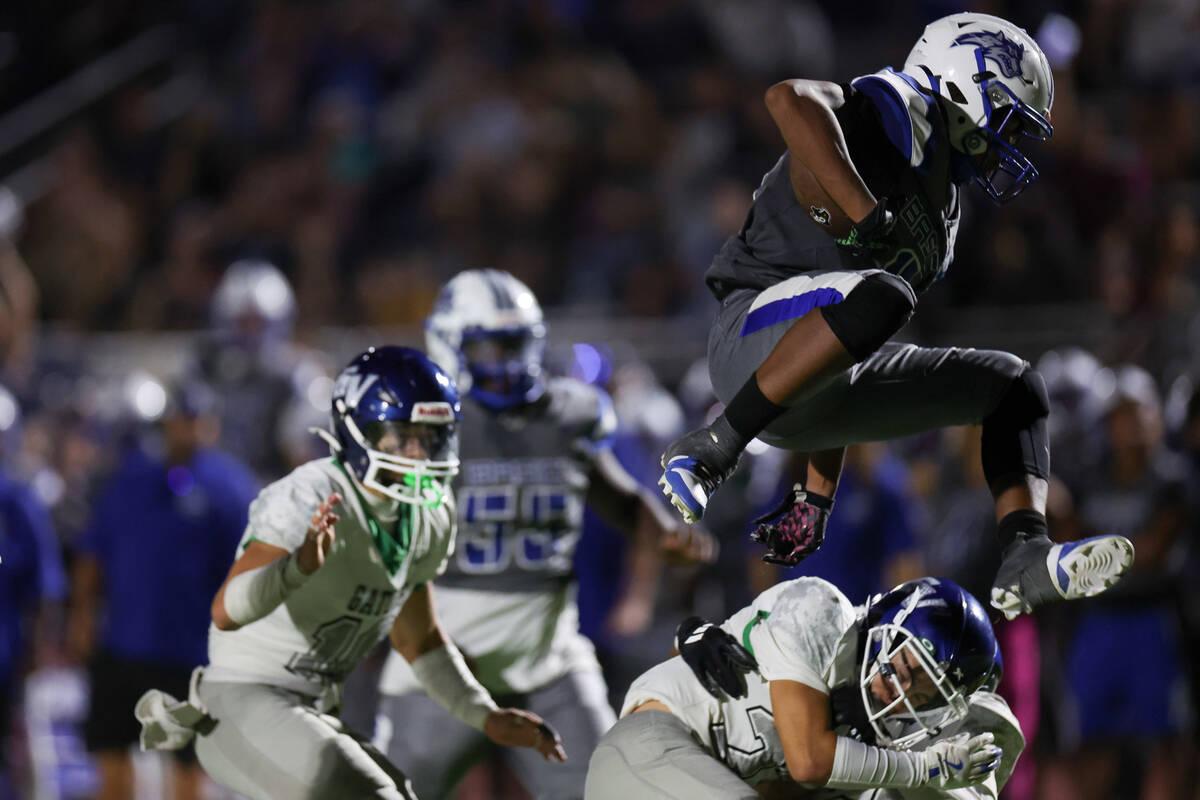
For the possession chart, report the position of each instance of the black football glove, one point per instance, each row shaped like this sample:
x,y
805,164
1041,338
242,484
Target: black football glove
x,y
795,529
871,236
715,657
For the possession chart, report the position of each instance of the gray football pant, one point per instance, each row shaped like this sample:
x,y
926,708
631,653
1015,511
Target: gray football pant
x,y
435,750
652,755
899,390
270,744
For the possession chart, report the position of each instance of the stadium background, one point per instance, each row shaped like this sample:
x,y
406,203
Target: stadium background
x,y
601,151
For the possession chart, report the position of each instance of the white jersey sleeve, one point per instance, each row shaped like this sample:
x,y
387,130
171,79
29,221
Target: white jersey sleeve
x,y
795,630
903,110
279,516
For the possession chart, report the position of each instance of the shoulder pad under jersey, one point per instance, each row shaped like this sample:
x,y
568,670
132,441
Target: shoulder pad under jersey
x,y
582,410
903,110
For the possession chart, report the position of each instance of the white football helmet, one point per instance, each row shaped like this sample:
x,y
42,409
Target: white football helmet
x,y
997,87
487,331
254,303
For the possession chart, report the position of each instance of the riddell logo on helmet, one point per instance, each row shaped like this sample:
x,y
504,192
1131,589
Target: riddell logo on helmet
x,y
432,412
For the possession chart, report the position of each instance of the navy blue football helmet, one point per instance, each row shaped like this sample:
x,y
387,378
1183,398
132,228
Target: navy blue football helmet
x,y
487,330
928,646
395,422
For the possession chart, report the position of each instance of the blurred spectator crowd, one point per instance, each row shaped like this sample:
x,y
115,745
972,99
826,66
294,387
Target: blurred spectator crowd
x,y
295,167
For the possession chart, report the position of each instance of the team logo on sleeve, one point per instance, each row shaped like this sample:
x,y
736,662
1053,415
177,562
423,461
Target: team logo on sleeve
x,y
998,48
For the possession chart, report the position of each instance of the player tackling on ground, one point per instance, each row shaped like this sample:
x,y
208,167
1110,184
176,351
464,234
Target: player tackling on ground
x,y
858,217
336,556
835,700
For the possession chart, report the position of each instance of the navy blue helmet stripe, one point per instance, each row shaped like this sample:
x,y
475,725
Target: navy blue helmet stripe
x,y
499,290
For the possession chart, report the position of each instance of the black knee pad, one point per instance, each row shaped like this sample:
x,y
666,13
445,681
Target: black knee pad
x,y
871,313
1016,442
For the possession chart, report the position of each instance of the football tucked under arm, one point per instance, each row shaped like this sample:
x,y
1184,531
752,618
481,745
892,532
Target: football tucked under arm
x,y
813,198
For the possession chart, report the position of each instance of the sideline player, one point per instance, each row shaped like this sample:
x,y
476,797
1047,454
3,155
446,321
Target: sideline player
x,y
314,590
856,218
836,698
534,453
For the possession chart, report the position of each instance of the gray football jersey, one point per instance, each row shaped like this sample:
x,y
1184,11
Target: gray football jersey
x,y
521,488
898,142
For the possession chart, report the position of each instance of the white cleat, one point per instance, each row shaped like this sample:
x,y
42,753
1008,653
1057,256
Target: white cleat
x,y
1069,571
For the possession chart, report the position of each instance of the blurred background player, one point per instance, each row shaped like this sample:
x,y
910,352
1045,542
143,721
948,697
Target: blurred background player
x,y
32,587
535,451
859,215
162,532
336,556
828,688
271,388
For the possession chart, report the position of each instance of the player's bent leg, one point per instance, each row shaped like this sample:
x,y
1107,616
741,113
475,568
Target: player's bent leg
x,y
651,754
1016,455
576,706
431,747
900,390
268,744
771,349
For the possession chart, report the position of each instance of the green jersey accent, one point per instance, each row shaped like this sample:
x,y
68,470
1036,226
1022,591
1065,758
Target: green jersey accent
x,y
393,549
759,617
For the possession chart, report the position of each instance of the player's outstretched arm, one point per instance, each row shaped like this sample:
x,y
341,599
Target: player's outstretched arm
x,y
264,575
439,666
815,754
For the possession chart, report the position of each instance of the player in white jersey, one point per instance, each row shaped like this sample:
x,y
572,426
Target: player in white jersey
x,y
336,556
894,695
534,453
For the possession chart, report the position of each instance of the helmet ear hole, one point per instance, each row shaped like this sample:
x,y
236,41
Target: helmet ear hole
x,y
955,93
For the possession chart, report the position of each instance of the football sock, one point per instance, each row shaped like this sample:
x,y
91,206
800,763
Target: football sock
x,y
1025,521
750,411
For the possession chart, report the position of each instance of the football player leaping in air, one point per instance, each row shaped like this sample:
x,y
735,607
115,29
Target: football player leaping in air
x,y
534,451
857,218
835,700
336,556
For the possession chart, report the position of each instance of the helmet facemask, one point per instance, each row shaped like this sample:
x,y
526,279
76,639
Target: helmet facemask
x,y
1001,168
505,365
409,461
908,696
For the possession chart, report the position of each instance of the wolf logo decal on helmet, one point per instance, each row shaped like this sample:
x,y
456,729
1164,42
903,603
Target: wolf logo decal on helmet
x,y
998,48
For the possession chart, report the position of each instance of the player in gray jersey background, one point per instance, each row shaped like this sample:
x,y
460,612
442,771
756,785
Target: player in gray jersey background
x,y
836,700
533,454
856,219
337,556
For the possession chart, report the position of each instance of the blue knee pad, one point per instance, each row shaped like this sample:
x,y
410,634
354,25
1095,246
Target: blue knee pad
x,y
871,314
1016,442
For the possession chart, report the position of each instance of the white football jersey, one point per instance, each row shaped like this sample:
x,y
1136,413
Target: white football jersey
x,y
801,630
797,631
314,638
